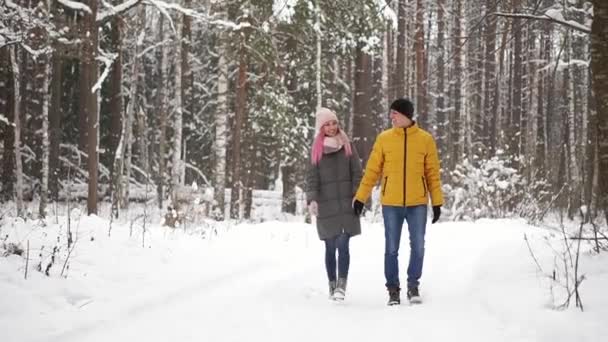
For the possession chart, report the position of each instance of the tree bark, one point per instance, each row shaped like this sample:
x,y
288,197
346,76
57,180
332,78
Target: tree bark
x,y
176,164
17,132
55,113
162,91
7,103
421,94
399,77
599,56
44,188
238,178
363,122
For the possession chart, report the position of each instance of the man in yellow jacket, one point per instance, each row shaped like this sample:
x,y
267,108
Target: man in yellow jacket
x,y
405,159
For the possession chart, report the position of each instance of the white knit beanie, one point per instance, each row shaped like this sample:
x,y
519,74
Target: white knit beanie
x,y
324,116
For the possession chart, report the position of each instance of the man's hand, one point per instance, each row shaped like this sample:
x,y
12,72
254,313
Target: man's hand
x,y
313,208
436,213
358,206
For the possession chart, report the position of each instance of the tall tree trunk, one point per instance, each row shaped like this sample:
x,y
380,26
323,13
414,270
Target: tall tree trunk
x,y
490,78
441,134
176,164
55,112
363,121
133,110
518,84
221,124
399,78
7,103
142,122
17,130
162,113
456,115
599,56
44,188
238,134
116,144
389,63
318,57
421,94
287,162
88,98
187,80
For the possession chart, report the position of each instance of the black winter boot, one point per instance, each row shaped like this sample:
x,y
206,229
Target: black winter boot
x,y
413,295
394,298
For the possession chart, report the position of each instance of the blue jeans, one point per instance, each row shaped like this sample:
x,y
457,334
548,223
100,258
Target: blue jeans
x,y
393,224
340,243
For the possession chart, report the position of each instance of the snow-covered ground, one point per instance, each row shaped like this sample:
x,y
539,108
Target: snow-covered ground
x,y
266,282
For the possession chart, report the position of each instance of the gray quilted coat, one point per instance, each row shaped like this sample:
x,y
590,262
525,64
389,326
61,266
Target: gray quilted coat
x,y
332,184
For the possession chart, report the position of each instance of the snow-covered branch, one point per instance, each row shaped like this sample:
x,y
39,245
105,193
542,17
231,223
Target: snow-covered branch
x,y
77,6
163,8
106,15
552,16
107,59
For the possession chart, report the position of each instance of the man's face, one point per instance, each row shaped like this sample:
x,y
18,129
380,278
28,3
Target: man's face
x,y
399,120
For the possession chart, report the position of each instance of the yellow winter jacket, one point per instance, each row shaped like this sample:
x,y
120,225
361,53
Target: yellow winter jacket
x,y
396,156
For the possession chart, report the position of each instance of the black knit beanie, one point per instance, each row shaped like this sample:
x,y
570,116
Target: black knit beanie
x,y
404,106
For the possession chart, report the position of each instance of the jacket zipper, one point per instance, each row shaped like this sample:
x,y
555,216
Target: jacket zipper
x,y
384,188
404,162
423,185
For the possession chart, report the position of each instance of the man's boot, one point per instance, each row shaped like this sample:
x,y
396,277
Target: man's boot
x,y
393,296
413,295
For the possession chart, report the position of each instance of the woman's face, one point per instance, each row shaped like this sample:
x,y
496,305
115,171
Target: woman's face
x,y
330,128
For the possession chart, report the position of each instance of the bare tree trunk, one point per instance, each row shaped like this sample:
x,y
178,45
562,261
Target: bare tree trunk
x,y
518,84
55,112
543,88
421,94
7,103
399,78
389,64
162,110
490,79
599,56
187,80
456,118
142,122
318,57
237,136
363,121
133,110
441,134
176,165
221,124
117,130
44,189
287,167
88,99
17,130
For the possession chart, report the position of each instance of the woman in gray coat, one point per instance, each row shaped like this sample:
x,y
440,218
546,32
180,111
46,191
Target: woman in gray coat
x,y
332,180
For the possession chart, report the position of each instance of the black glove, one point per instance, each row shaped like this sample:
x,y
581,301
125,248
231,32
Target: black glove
x,y
358,207
436,213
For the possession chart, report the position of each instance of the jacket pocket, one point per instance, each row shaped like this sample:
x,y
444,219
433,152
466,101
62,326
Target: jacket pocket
x,y
423,186
384,187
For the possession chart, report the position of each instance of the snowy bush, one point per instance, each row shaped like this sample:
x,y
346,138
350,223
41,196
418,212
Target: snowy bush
x,y
491,189
488,190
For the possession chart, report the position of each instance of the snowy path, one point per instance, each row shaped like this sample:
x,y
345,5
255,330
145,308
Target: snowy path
x,y
267,283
